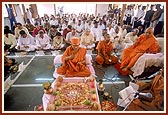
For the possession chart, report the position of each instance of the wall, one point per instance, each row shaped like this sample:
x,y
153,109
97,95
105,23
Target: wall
x,y
102,9
45,9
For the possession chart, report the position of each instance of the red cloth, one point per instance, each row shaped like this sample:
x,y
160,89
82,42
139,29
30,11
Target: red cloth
x,y
117,66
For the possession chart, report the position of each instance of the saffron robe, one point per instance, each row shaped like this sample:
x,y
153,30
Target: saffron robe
x,y
105,56
142,45
71,68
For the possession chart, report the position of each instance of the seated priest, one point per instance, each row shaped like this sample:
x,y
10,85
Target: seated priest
x,y
74,61
146,43
25,42
104,50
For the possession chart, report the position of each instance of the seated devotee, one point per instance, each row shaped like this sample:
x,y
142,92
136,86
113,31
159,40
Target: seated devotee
x,y
10,31
87,40
58,41
79,28
116,35
8,63
74,61
42,41
119,46
25,42
37,29
104,50
104,32
146,43
66,31
141,30
47,25
29,26
123,31
18,28
96,32
131,36
10,41
70,35
52,31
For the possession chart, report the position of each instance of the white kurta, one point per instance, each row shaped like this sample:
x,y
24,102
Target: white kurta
x,y
110,31
57,43
28,41
97,32
123,33
43,43
80,29
115,37
130,38
69,36
11,40
17,31
87,39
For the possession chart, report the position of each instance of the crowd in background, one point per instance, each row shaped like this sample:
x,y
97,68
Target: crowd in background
x,y
55,32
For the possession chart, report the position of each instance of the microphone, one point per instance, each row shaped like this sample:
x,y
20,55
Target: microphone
x,y
146,96
149,95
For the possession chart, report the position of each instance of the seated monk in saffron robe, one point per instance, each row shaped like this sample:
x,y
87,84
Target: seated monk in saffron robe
x,y
74,61
104,50
146,43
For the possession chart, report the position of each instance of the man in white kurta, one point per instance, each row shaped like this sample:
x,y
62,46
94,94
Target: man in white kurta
x,y
42,41
96,31
123,31
117,39
116,35
9,40
19,28
25,42
71,34
110,29
88,24
87,40
131,36
79,28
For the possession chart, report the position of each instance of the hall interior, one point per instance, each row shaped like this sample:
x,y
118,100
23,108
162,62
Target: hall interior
x,y
23,90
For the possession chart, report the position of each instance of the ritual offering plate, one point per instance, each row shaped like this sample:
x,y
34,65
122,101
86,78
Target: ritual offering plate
x,y
74,94
108,106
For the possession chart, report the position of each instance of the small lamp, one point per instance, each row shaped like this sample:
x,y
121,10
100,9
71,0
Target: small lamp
x,y
101,87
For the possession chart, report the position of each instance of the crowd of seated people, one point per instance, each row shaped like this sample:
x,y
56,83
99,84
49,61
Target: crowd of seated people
x,y
55,32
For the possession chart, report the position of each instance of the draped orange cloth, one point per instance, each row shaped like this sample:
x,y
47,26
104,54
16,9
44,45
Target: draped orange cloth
x,y
143,45
71,68
156,88
104,53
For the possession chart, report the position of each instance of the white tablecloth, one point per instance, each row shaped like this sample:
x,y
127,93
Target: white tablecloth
x,y
147,60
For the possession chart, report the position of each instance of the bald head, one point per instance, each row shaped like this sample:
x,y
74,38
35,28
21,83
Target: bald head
x,y
150,29
149,32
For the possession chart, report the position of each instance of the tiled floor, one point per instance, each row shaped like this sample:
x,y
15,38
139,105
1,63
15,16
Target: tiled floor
x,y
26,90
